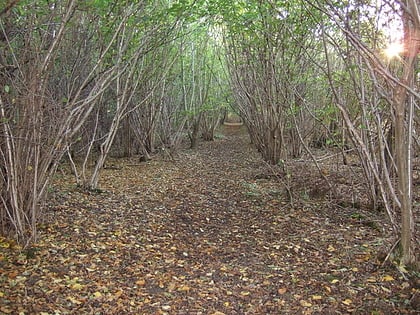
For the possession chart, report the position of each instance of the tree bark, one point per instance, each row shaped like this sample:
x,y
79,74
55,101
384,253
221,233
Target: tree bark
x,y
411,24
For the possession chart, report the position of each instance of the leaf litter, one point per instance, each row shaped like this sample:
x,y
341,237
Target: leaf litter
x,y
211,232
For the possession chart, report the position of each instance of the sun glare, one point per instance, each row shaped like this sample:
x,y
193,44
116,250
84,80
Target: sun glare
x,y
394,50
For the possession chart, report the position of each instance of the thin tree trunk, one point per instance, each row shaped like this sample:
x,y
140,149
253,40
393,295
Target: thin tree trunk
x,y
411,22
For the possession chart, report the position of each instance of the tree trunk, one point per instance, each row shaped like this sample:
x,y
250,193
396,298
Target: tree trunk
x,y
403,139
195,132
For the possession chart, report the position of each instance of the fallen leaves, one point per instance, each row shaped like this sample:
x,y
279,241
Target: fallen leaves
x,y
282,291
141,282
183,238
305,303
347,302
74,301
387,278
77,286
316,297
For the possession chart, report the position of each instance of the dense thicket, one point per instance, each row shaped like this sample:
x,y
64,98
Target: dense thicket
x,y
85,79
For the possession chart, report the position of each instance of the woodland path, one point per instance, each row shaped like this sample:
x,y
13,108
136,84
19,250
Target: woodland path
x,y
208,233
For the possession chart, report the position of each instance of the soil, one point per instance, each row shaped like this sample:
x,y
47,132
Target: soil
x,y
209,231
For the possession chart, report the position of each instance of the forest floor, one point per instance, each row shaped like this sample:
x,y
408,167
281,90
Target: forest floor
x,y
212,231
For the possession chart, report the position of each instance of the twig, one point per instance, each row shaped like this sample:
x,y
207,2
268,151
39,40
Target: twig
x,y
390,252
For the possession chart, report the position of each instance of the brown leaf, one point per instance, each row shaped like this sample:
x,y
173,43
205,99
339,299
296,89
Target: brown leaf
x,y
282,291
141,282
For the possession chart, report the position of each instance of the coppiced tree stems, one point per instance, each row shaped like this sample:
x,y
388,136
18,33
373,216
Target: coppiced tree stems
x,y
37,126
269,72
378,155
29,163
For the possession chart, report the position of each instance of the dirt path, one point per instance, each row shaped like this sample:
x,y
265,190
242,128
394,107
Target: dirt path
x,y
208,233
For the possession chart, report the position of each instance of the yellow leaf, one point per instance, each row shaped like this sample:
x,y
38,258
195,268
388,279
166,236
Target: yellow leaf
x,y
334,281
73,300
305,303
316,297
184,288
1,294
97,294
328,289
387,278
245,293
77,286
4,243
226,304
331,248
347,302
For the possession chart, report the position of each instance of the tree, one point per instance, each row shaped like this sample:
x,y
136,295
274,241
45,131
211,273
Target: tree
x,y
135,42
268,46
38,120
144,117
403,103
191,95
387,105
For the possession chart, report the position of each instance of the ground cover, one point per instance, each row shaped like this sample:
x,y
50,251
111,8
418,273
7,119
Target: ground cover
x,y
212,231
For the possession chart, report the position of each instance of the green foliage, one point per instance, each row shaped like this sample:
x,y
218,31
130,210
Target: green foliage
x,y
251,190
327,113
